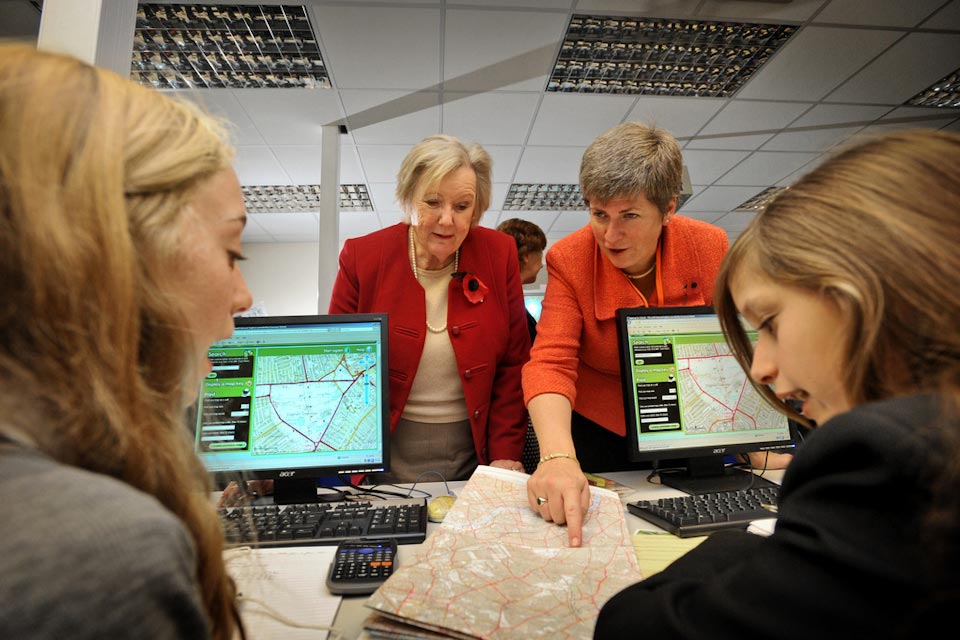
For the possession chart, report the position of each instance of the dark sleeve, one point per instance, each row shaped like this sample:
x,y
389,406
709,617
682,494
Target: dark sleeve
x,y
845,554
507,422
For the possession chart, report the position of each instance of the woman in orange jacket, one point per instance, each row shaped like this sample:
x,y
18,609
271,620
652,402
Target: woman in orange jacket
x,y
636,251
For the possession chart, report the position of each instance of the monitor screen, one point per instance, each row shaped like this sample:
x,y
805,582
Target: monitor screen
x,y
534,304
687,398
296,398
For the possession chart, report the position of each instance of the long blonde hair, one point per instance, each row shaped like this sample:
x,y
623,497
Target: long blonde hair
x,y
95,175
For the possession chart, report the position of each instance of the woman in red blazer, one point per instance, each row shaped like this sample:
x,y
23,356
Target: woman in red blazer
x,y
636,251
458,331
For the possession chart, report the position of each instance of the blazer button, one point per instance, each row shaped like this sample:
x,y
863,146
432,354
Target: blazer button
x,y
476,414
455,330
467,374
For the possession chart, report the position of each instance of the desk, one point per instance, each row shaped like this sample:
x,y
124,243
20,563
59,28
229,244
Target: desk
x,y
353,612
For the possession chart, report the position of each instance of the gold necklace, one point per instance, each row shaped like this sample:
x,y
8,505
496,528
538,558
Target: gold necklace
x,y
416,274
642,275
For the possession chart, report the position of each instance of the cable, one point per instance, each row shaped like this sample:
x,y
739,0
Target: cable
x,y
267,610
436,473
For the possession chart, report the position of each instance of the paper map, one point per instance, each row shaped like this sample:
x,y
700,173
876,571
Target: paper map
x,y
494,569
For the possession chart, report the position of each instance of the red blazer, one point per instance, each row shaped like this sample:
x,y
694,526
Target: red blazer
x,y
490,339
575,353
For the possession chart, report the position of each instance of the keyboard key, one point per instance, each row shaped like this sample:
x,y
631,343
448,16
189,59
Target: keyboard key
x,y
704,514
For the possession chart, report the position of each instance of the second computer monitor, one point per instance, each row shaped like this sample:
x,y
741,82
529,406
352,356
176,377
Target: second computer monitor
x,y
687,400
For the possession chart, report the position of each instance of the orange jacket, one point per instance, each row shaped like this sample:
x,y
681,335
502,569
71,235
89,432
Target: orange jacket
x,y
575,353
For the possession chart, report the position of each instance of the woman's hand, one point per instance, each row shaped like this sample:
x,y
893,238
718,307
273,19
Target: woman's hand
x,y
559,491
512,465
233,497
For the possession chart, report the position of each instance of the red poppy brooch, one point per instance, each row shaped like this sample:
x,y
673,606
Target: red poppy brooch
x,y
473,287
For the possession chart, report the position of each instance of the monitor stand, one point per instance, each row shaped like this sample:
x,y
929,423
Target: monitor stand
x,y
300,490
709,474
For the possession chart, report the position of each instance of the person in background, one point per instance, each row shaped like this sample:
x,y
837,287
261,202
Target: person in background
x,y
120,225
531,241
851,278
458,335
635,251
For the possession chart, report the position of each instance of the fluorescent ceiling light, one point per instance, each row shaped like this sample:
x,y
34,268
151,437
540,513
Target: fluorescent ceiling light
x,y
544,197
186,46
301,198
761,200
608,54
943,93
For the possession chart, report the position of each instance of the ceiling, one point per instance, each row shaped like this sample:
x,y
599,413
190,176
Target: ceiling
x,y
477,69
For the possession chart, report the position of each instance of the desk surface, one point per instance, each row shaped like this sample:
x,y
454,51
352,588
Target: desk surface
x,y
353,613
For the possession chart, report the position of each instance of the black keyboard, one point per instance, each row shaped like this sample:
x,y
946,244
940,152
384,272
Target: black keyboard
x,y
325,523
701,515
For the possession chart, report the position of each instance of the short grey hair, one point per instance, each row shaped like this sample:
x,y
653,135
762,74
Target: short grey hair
x,y
630,160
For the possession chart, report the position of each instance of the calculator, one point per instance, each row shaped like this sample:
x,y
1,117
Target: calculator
x,y
360,566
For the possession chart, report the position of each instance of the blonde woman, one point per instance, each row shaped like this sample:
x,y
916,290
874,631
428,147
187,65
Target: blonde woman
x,y
851,279
458,331
120,223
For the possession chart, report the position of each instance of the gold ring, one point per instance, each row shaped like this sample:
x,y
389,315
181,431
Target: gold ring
x,y
541,502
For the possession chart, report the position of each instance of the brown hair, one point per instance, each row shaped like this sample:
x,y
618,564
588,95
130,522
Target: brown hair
x,y
630,160
434,158
96,174
874,229
528,236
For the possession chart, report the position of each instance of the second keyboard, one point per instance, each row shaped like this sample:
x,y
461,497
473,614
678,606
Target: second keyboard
x,y
704,514
286,525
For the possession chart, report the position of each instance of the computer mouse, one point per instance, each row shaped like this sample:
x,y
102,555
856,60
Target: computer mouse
x,y
438,507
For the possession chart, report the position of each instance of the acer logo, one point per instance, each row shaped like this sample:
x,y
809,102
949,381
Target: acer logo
x,y
287,474
720,450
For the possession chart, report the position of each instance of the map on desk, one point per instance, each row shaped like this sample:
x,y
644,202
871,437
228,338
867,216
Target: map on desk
x,y
494,569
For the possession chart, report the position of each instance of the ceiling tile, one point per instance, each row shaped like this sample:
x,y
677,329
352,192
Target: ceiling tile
x,y
567,221
728,142
797,10
399,48
257,165
946,18
391,117
652,8
498,194
911,118
680,116
885,14
706,166
550,164
381,162
719,200
504,162
748,117
576,119
253,232
290,116
763,168
489,50
384,199
815,61
302,164
520,4
489,118
223,103
910,66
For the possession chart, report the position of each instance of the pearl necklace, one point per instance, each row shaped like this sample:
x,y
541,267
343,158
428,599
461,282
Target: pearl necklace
x,y
642,275
416,274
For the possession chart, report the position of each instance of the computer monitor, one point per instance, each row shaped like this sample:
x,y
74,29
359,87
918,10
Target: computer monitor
x,y
688,401
534,304
294,399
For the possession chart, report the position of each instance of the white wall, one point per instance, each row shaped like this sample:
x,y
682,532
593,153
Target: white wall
x,y
283,277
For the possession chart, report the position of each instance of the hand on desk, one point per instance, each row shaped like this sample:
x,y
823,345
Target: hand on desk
x,y
233,497
559,491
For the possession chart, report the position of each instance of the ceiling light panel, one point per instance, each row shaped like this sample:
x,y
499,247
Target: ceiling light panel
x,y
761,200
302,198
544,197
945,93
652,56
181,46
